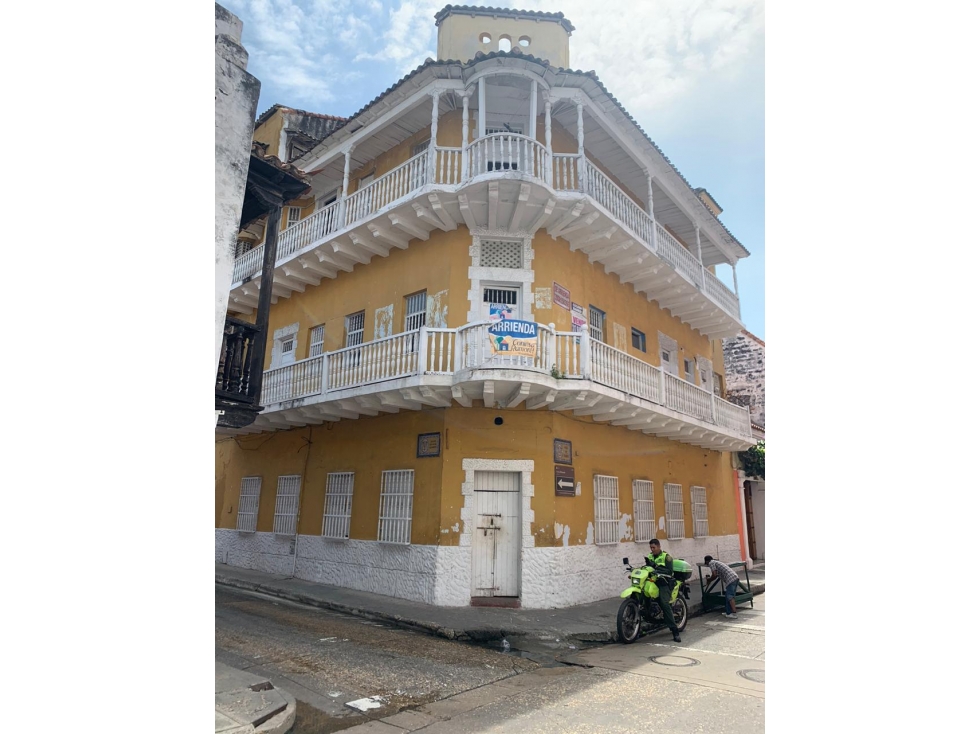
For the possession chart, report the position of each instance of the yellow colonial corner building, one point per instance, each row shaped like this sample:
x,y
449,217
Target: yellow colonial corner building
x,y
494,363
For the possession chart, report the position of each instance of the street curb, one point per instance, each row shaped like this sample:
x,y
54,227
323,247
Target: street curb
x,y
281,723
478,634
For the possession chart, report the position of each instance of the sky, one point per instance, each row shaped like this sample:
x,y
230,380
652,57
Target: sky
x,y
691,72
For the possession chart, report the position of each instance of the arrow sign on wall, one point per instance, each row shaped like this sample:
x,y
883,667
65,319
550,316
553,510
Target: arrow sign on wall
x,y
564,481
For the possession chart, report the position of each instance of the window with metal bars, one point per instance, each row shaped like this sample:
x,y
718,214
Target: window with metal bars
x,y
286,505
316,340
643,510
500,148
394,519
251,489
500,254
511,127
294,214
415,307
354,326
596,324
337,506
505,296
606,509
674,511
698,503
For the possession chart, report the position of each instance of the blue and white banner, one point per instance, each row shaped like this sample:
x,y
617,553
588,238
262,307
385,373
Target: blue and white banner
x,y
514,337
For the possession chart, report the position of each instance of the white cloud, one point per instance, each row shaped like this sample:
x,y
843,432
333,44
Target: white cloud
x,y
410,36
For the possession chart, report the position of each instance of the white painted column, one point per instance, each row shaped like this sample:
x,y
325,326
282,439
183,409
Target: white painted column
x,y
734,272
481,121
581,144
652,213
532,123
346,186
549,165
436,95
585,354
700,258
465,136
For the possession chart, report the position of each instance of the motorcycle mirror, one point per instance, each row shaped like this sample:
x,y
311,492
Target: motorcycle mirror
x,y
625,561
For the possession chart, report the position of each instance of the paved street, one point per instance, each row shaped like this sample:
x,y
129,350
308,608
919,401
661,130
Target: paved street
x,y
711,682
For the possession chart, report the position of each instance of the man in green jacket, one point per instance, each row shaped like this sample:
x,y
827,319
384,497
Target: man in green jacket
x,y
662,562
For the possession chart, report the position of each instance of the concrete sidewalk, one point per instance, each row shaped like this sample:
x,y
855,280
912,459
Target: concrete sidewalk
x,y
244,702
594,622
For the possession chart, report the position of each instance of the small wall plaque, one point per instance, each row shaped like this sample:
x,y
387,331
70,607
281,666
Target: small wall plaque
x,y
429,444
562,451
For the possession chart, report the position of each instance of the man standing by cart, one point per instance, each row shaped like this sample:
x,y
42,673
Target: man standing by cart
x,y
662,562
729,582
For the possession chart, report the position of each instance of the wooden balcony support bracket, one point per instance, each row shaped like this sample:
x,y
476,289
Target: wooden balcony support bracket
x,y
370,244
423,213
354,406
520,208
582,223
432,397
544,215
567,219
610,249
406,225
286,285
566,402
319,412
349,251
539,401
332,258
518,395
597,408
314,265
492,203
398,400
489,398
388,237
605,417
599,240
459,395
297,272
448,221
634,421
466,212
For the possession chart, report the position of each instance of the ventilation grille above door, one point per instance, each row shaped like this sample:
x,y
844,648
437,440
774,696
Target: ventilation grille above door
x,y
500,254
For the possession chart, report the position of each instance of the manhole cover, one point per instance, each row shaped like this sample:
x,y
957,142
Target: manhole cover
x,y
758,676
674,661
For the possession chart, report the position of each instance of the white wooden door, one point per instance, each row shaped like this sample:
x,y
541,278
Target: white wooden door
x,y
496,537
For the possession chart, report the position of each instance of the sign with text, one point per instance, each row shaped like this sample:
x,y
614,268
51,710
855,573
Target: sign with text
x,y
500,311
429,444
562,451
561,296
577,317
564,481
513,337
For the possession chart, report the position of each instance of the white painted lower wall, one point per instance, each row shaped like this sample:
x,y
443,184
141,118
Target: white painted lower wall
x,y
440,575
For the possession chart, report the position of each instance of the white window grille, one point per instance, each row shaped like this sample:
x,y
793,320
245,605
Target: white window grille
x,y
643,510
596,324
316,340
606,509
354,326
500,254
415,307
337,506
505,127
251,489
674,511
397,493
698,503
286,505
293,216
504,296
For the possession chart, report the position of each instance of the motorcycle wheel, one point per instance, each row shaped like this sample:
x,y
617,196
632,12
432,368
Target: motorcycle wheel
x,y
680,613
628,621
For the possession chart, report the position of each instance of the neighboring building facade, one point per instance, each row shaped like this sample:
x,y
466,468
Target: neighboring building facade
x,y
235,101
744,364
409,444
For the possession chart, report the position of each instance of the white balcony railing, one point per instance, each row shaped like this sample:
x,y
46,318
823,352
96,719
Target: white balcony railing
x,y
500,152
457,352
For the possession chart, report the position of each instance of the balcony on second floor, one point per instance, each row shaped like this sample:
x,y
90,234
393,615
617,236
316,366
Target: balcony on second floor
x,y
436,367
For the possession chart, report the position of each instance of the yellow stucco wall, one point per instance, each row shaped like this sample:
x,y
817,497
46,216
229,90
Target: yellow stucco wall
x,y
369,446
438,266
270,131
458,37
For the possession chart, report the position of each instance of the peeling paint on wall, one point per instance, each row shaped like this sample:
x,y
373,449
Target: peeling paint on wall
x,y
542,298
563,532
618,332
438,310
662,523
455,528
625,527
590,537
383,320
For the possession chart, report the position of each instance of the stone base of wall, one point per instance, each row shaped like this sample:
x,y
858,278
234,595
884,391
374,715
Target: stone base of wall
x,y
441,575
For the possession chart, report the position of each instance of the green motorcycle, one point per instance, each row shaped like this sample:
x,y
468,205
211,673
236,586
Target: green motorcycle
x,y
640,607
